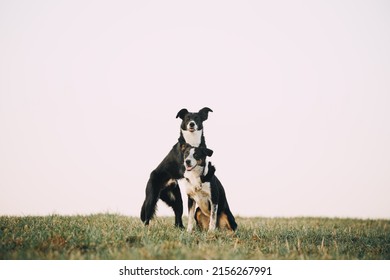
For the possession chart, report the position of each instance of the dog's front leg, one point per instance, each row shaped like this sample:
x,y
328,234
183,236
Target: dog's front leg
x,y
191,214
214,207
213,217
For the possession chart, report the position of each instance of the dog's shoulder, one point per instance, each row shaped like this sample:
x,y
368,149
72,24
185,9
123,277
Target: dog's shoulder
x,y
172,162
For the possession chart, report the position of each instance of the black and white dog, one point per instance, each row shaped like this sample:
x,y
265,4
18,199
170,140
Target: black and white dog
x,y
162,183
207,192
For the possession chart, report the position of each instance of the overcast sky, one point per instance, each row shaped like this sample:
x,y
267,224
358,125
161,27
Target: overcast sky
x,y
300,90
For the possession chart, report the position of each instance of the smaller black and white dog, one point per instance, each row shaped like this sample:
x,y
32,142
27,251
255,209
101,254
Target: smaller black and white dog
x,y
204,189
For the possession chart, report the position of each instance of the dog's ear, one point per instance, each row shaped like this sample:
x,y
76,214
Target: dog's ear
x,y
183,146
207,152
204,113
181,113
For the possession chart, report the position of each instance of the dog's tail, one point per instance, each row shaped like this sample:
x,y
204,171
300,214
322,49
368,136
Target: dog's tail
x,y
231,219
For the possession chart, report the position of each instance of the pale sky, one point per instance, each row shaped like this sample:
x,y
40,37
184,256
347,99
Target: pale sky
x,y
300,90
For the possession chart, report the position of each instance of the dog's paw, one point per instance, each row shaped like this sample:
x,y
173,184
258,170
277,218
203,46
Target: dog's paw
x,y
212,227
211,167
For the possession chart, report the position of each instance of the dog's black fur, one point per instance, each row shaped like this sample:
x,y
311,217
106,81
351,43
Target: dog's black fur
x,y
162,183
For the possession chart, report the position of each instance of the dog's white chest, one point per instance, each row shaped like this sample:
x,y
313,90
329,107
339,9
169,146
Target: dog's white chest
x,y
192,138
201,194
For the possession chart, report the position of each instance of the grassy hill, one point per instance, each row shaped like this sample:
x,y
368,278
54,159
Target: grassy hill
x,y
107,236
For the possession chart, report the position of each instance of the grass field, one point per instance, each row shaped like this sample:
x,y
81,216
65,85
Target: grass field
x,y
107,236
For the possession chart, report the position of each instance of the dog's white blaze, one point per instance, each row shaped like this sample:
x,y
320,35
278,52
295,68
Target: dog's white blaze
x,y
193,138
191,158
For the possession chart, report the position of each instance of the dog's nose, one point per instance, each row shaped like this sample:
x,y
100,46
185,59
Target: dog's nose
x,y
188,162
192,124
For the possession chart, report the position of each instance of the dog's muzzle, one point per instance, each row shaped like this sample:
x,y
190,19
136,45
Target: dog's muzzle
x,y
191,127
188,165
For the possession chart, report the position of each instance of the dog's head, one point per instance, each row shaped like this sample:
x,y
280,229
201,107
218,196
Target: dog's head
x,y
193,121
195,156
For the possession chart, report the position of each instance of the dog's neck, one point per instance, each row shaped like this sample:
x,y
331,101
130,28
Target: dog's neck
x,y
195,138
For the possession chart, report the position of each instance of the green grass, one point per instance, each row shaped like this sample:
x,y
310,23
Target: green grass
x,y
107,236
